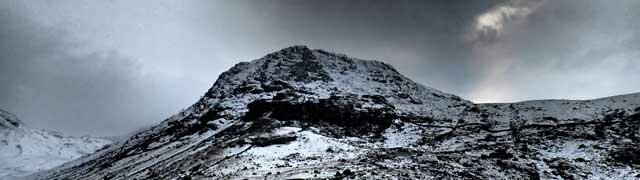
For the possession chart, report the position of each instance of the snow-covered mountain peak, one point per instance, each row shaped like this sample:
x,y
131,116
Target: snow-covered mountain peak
x,y
24,150
319,74
311,114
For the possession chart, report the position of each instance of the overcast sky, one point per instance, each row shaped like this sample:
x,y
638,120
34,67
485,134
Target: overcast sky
x,y
109,67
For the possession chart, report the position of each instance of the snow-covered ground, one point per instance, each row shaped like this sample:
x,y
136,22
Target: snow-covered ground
x,y
24,151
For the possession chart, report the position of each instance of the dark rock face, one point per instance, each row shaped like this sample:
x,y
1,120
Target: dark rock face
x,y
562,168
8,120
272,86
501,154
341,111
271,140
628,154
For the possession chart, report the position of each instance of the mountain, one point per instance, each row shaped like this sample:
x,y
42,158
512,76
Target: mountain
x,y
311,114
24,150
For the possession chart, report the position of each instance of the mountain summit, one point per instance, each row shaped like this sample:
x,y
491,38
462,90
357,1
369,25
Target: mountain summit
x,y
310,114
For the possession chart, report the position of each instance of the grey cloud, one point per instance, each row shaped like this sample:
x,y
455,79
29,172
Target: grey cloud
x,y
49,81
578,50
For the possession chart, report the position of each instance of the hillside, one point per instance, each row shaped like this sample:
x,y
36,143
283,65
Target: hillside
x,y
302,113
24,150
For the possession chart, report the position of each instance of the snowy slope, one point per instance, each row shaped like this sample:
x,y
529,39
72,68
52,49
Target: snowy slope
x,y
24,150
302,113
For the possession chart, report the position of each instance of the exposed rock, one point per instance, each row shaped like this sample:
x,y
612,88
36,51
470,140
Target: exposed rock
x,y
627,154
341,111
8,120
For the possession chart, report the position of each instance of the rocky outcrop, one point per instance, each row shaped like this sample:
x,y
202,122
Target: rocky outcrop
x,y
8,121
361,115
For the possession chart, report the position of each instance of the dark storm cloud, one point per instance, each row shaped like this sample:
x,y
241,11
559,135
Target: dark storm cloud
x,y
421,38
50,82
115,65
486,51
